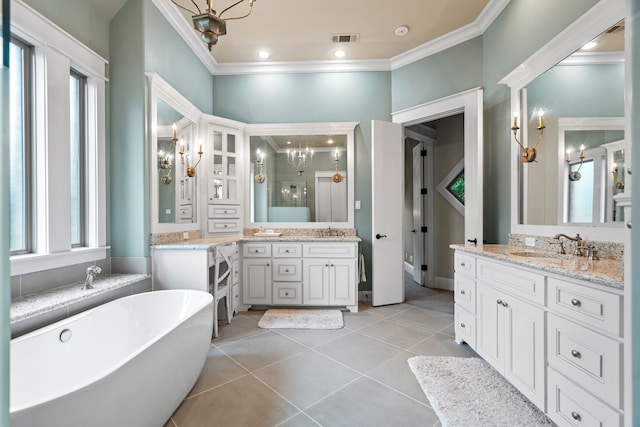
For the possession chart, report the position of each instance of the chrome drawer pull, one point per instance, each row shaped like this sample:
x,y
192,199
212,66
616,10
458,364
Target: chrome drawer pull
x,y
576,354
499,301
462,325
462,264
505,305
576,416
576,302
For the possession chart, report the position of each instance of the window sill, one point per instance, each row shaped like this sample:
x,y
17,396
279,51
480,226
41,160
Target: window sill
x,y
31,263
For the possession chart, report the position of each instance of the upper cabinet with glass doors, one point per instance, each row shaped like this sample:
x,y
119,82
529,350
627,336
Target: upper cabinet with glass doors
x,y
223,186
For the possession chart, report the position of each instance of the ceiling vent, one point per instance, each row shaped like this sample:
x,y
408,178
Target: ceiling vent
x,y
344,38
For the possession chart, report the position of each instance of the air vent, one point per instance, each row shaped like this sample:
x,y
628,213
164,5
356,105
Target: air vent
x,y
344,38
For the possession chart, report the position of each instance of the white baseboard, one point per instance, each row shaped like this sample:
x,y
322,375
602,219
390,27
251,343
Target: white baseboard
x,y
445,283
408,268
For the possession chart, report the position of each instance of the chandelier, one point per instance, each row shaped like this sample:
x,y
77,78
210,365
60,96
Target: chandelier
x,y
210,24
300,158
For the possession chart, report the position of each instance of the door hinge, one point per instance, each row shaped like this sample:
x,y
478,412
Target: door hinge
x,y
423,191
423,153
423,229
424,267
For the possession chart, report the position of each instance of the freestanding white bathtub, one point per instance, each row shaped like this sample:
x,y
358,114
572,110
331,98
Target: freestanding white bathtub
x,y
129,362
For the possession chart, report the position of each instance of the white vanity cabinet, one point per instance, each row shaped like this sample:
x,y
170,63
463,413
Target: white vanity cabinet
x,y
465,298
585,354
301,273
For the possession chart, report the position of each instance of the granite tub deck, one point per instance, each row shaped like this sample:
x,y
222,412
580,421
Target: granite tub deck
x,y
34,311
606,272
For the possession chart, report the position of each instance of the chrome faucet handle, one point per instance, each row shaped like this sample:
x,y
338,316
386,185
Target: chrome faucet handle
x,y
92,271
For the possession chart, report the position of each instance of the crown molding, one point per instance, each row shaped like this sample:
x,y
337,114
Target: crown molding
x,y
594,58
469,31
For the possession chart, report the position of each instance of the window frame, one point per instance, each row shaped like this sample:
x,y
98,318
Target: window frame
x,y
82,156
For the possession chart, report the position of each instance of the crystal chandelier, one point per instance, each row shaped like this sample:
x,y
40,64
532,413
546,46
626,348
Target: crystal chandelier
x,y
210,24
300,158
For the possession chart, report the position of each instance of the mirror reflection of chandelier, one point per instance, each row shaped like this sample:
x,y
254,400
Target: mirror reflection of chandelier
x,y
300,158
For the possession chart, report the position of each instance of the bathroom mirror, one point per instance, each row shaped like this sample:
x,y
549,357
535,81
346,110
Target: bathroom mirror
x,y
172,128
581,95
300,175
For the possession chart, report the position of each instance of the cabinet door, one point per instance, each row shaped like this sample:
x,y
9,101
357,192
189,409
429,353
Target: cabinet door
x,y
489,326
224,163
342,279
256,281
315,282
524,362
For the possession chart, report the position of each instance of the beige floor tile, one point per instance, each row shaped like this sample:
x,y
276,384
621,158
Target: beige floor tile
x,y
218,369
428,319
313,338
242,402
368,403
355,321
261,350
240,328
403,335
358,352
389,310
306,378
300,420
397,374
442,345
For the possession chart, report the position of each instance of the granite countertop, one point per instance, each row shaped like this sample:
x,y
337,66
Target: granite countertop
x,y
607,272
35,304
207,243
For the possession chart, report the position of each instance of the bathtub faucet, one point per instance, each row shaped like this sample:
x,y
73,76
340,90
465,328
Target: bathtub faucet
x,y
92,272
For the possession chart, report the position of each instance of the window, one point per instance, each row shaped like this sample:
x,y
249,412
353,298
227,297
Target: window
x,y
77,96
20,148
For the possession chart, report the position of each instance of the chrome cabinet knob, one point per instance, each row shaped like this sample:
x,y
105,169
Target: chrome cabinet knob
x,y
576,302
462,264
576,354
576,416
462,325
462,292
499,301
629,225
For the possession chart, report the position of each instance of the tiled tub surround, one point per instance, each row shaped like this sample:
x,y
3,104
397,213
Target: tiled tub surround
x,y
40,309
607,272
609,250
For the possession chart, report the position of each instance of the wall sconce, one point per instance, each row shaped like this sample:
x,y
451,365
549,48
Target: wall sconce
x,y
260,163
575,175
191,170
336,176
528,153
164,163
616,180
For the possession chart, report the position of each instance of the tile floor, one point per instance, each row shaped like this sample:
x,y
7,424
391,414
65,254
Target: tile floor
x,y
355,376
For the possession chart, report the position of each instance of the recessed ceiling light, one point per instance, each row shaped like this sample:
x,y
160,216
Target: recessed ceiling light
x,y
590,45
264,54
402,30
340,53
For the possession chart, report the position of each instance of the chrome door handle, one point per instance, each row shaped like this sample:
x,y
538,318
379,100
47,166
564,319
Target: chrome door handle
x,y
380,236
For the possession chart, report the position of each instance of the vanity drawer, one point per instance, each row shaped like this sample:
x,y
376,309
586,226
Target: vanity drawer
x,y
590,359
222,226
287,293
465,264
256,250
185,212
465,327
513,280
222,211
569,405
465,293
287,250
287,270
593,307
329,250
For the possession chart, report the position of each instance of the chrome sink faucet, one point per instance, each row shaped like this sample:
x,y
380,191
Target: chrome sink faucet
x,y
92,272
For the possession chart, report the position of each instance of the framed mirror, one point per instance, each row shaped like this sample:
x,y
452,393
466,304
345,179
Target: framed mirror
x,y
173,135
580,95
300,175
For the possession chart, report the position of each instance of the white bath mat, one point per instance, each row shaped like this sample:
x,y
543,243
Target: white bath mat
x,y
469,392
284,318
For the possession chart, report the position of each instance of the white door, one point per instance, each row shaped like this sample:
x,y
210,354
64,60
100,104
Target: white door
x,y
418,236
387,204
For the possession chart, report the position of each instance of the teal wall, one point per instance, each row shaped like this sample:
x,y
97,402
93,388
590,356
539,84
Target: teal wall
x,y
322,97
80,19
451,71
579,91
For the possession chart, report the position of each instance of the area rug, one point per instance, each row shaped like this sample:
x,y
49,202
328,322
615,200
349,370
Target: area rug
x,y
469,392
284,318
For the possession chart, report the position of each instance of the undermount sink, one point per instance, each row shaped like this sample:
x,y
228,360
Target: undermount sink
x,y
529,254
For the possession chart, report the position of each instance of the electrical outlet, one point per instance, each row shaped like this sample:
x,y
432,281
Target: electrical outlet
x,y
530,241
411,259
185,235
